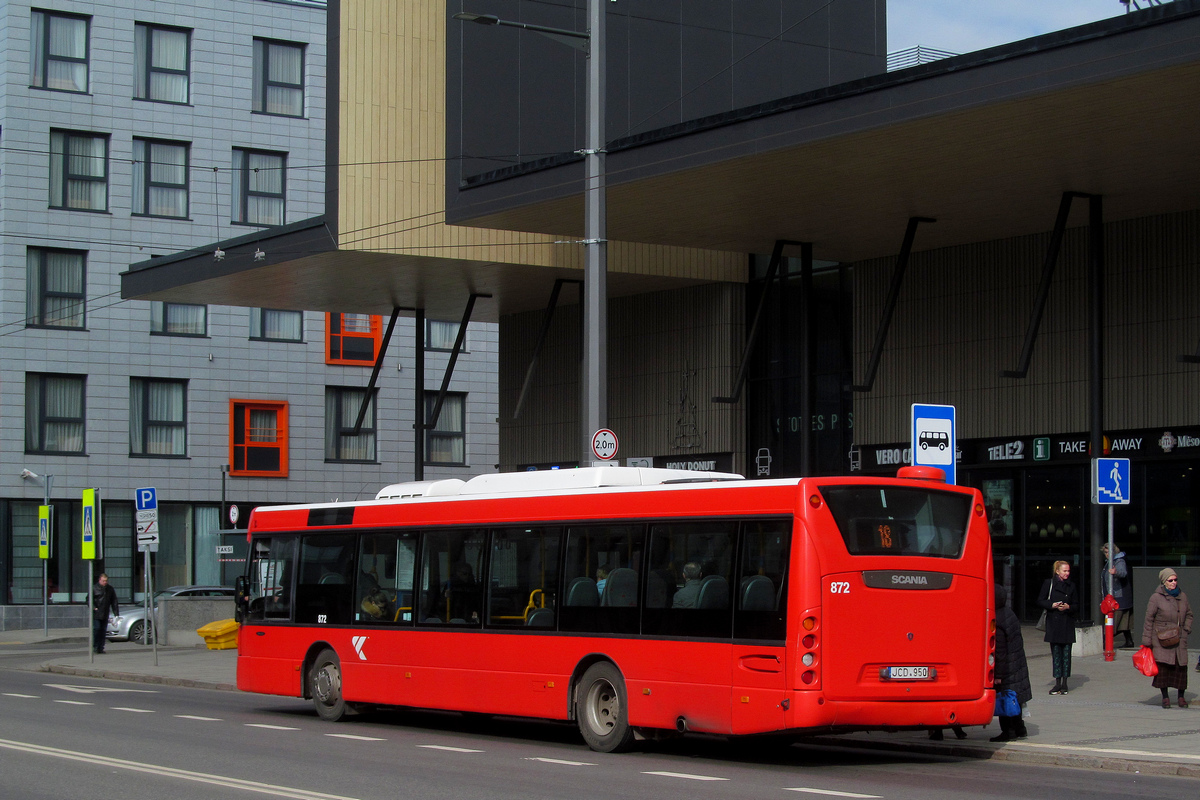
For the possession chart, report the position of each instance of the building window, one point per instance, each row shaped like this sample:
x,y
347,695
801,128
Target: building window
x,y
58,51
78,171
440,335
162,59
258,187
341,412
273,325
178,319
157,417
445,441
160,178
54,421
258,441
54,287
278,78
352,338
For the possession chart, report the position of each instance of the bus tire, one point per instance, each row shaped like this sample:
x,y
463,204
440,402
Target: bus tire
x,y
325,681
602,709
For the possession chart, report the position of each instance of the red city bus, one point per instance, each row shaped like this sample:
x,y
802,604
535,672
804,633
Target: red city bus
x,y
632,601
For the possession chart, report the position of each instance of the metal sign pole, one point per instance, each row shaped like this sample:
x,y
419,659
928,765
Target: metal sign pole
x,y
91,595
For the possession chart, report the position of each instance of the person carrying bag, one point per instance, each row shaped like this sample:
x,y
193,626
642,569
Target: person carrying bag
x,y
1165,631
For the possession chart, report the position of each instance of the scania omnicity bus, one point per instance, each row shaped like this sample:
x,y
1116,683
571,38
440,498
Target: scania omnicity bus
x,y
634,602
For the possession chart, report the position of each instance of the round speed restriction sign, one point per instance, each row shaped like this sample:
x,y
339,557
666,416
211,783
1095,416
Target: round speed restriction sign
x,y
604,444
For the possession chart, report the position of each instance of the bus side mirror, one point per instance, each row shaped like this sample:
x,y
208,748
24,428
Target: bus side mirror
x,y
240,598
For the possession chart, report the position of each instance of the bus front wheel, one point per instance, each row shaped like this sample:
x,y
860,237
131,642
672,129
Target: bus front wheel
x,y
325,679
602,710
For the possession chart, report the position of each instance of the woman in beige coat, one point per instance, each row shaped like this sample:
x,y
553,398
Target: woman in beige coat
x,y
1168,608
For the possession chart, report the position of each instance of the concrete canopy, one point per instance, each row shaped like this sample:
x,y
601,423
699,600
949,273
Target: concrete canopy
x,y
984,143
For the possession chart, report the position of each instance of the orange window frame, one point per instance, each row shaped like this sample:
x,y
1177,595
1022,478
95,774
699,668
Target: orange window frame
x,y
241,452
337,338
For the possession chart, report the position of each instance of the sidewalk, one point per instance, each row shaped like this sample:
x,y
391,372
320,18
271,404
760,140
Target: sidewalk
x,y
1112,719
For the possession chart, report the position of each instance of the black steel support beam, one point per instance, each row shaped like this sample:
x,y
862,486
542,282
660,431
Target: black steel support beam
x,y
1096,279
752,337
1039,304
383,346
419,397
458,343
889,306
1185,358
547,317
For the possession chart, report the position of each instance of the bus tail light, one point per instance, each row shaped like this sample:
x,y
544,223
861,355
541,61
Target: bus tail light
x,y
809,649
808,677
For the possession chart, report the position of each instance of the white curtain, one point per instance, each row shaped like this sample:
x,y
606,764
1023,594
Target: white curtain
x,y
64,414
64,289
153,406
264,176
269,323
68,40
263,426
166,167
169,52
86,162
442,335
208,536
341,412
285,64
446,438
187,318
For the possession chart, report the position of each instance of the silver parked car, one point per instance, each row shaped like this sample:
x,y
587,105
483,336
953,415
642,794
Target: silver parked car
x,y
130,624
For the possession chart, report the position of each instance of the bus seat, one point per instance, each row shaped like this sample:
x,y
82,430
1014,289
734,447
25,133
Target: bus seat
x,y
541,618
758,593
621,589
714,593
332,577
582,592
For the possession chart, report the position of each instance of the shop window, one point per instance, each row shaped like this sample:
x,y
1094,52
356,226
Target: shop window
x,y
258,441
352,338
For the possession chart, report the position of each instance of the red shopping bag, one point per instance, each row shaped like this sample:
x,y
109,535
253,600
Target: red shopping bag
x,y
1143,661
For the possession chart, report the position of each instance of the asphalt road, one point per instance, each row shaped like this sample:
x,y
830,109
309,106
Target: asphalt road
x,y
63,737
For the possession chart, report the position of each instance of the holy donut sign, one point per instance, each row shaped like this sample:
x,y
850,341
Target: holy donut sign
x,y
604,444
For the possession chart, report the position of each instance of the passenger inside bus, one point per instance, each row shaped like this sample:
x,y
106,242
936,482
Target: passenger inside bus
x,y
689,595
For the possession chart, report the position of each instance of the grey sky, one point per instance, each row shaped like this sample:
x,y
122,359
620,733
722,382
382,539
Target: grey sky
x,y
962,26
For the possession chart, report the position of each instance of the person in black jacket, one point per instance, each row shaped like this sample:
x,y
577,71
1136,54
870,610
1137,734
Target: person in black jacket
x,y
104,602
1012,671
1060,597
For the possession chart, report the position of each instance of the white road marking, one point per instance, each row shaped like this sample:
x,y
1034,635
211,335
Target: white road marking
x,y
829,792
270,727
686,776
562,762
75,702
193,716
355,737
28,696
95,689
134,710
170,772
450,749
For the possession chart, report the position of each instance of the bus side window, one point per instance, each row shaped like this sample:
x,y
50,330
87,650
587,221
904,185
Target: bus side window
x,y
386,562
760,607
451,572
602,576
271,568
523,577
326,579
688,579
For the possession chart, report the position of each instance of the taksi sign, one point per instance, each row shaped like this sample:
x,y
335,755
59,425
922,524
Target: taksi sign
x,y
934,438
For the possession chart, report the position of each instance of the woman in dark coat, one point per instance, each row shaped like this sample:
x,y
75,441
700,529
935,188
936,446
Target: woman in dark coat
x,y
1012,671
1060,597
1168,608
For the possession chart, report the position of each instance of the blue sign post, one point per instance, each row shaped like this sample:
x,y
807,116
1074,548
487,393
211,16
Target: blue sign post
x,y
1110,487
935,438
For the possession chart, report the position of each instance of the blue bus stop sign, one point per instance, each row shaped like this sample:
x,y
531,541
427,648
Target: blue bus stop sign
x,y
1110,481
934,438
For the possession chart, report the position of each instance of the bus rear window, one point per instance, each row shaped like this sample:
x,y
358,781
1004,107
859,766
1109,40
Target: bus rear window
x,y
888,520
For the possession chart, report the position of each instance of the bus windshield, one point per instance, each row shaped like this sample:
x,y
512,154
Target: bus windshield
x,y
887,520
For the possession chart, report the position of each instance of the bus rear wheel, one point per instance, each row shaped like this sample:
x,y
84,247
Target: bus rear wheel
x,y
602,709
325,680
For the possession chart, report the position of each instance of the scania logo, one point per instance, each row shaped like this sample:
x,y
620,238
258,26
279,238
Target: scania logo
x,y
918,580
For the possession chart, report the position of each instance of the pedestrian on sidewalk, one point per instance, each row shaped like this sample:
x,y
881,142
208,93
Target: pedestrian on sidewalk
x,y
1012,670
1168,623
1060,597
104,602
1116,581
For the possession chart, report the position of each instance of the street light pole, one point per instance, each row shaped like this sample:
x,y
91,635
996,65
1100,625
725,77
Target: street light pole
x,y
593,376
